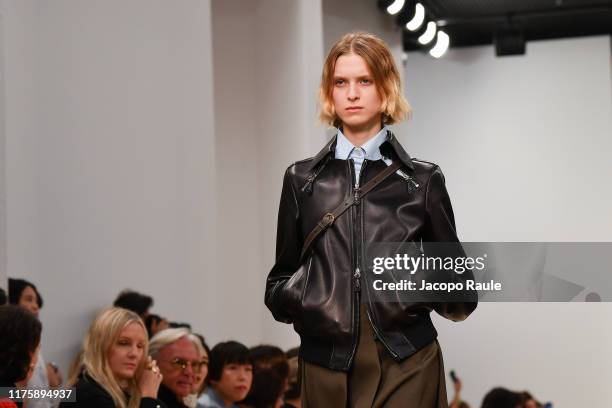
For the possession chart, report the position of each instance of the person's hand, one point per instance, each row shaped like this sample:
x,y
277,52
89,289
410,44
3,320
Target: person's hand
x,y
54,375
150,380
457,386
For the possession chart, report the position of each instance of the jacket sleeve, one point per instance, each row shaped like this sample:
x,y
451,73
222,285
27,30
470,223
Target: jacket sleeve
x,y
288,248
440,233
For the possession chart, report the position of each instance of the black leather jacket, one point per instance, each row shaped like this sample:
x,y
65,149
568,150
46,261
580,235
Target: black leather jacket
x,y
320,295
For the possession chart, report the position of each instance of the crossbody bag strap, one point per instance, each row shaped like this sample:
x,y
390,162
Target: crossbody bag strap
x,y
329,218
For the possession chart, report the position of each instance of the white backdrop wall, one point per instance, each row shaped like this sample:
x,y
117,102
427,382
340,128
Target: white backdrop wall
x,y
3,277
491,124
267,59
110,158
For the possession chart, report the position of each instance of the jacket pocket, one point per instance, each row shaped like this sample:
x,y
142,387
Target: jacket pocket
x,y
292,292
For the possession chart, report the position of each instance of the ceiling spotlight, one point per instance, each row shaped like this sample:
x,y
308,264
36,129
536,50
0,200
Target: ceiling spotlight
x,y
441,45
417,20
395,7
429,34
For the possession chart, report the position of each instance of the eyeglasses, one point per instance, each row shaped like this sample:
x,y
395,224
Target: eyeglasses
x,y
179,363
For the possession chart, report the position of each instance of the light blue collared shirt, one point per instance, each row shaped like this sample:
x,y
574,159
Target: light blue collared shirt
x,y
369,150
210,399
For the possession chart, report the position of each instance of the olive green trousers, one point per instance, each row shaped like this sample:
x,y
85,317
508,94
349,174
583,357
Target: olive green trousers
x,y
376,380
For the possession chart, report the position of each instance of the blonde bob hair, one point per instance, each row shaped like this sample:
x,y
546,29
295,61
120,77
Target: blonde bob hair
x,y
102,335
379,60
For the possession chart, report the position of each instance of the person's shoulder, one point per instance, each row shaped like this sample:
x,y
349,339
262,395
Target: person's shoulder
x,y
300,166
424,166
88,390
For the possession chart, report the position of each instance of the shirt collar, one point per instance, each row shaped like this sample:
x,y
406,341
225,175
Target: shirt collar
x,y
372,147
214,396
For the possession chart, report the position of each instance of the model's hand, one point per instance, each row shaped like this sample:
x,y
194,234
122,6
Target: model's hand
x,y
150,380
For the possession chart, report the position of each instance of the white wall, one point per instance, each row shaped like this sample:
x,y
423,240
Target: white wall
x,y
492,123
267,59
121,174
3,277
110,159
524,143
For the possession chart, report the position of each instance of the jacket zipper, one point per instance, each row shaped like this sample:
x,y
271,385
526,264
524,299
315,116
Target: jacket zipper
x,y
356,281
358,247
359,263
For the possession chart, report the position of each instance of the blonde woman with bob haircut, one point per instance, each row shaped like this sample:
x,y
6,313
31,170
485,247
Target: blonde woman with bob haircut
x,y
361,346
116,369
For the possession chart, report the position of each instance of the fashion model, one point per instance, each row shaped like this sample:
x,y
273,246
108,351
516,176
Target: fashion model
x,y
362,188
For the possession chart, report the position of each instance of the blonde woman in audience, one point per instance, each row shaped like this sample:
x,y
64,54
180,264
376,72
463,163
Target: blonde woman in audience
x,y
116,369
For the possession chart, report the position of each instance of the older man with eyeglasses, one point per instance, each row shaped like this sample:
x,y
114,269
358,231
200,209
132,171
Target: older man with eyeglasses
x,y
179,361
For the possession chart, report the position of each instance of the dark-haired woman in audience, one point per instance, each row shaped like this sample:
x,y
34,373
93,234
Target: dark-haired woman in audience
x,y
230,375
19,344
117,372
24,294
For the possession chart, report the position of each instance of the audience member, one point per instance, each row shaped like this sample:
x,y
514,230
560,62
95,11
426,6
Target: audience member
x,y
527,400
179,361
457,402
292,397
230,375
19,343
134,301
3,298
270,372
117,371
155,324
75,370
46,375
200,376
501,398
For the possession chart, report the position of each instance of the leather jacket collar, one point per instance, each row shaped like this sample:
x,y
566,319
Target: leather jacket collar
x,y
390,148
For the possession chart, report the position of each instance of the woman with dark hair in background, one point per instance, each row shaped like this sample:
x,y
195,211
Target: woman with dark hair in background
x,y
24,294
230,375
19,344
134,301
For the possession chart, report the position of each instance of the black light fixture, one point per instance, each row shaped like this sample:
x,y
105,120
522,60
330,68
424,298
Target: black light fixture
x,y
509,40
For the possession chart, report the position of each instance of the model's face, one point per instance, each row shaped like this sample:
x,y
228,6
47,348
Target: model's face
x,y
29,300
127,352
355,95
171,360
235,382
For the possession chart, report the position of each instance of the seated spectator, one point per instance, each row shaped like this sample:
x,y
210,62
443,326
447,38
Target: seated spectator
x,y
19,343
46,375
270,372
200,376
134,301
457,402
292,397
155,324
117,371
179,361
3,298
230,374
501,398
75,370
527,400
